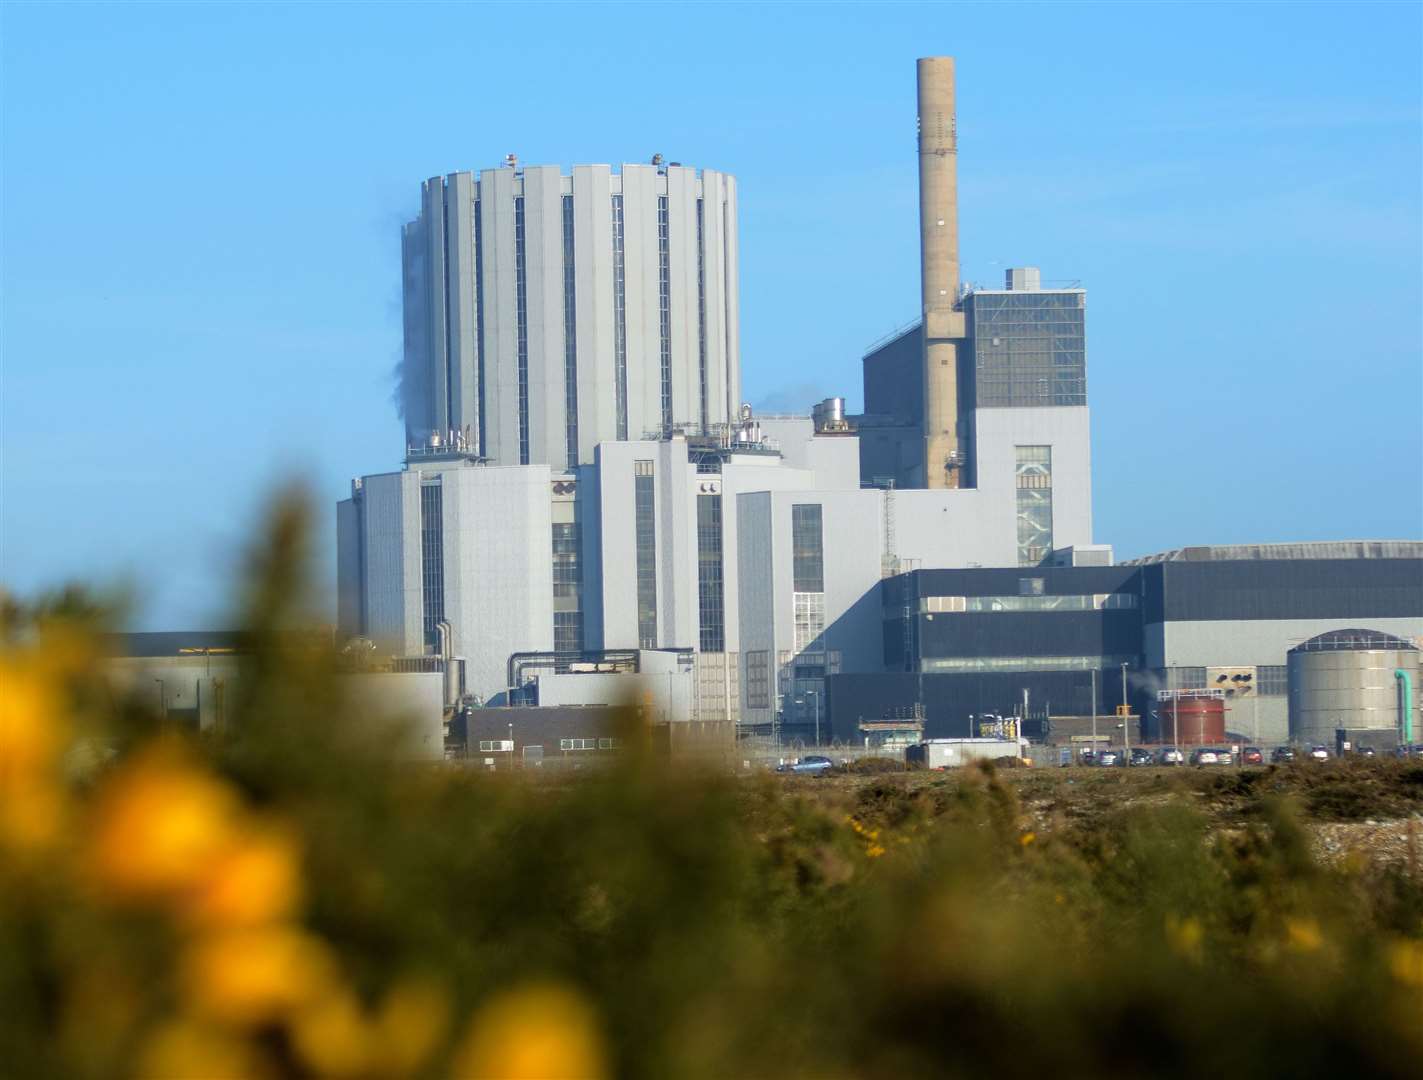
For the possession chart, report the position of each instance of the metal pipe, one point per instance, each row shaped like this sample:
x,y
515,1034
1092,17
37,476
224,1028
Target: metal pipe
x,y
939,270
1405,681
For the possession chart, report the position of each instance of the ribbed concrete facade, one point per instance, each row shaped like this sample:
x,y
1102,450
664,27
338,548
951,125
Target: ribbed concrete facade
x,y
547,313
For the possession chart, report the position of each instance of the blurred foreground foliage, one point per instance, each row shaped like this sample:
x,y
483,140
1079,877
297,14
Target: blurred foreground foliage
x,y
283,899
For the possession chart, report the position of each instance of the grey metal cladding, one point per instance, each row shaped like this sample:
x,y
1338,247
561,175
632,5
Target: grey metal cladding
x,y
1284,589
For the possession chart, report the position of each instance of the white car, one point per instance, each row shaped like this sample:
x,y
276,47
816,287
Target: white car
x,y
1318,753
1204,756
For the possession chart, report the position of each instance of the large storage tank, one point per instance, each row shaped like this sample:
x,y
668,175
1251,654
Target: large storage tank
x,y
1348,679
1192,718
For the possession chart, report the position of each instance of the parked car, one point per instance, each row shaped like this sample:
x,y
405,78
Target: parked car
x,y
1139,755
1108,757
1224,757
1318,752
1170,755
1252,755
1204,755
813,764
1282,754
1366,751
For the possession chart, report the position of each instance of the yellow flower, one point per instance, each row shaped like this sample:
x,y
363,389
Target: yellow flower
x,y
331,1034
537,1032
159,827
250,976
184,1048
1027,838
32,730
1405,961
1303,935
411,1021
874,851
253,881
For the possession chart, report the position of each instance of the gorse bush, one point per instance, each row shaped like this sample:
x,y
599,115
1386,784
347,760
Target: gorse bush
x,y
285,899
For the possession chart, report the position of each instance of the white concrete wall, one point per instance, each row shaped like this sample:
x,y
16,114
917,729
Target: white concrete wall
x,y
403,712
391,542
498,567
1244,642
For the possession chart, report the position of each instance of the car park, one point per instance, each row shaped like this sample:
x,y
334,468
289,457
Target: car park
x,y
1281,754
1252,755
1170,755
1204,755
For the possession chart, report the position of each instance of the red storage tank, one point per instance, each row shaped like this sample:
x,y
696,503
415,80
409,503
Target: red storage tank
x,y
1200,721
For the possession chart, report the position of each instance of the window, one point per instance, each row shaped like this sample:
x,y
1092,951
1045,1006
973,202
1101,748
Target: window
x,y
645,525
1186,678
809,613
567,588
521,308
610,744
570,338
988,604
432,559
1029,348
702,308
664,306
711,603
479,320
758,679
1031,586
490,746
807,548
620,321
578,744
1033,479
1025,663
1271,680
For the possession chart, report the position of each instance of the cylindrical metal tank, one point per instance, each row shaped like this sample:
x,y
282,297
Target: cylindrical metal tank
x,y
1346,679
1193,721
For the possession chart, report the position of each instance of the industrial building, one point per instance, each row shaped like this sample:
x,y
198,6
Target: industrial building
x,y
547,313
587,514
1054,643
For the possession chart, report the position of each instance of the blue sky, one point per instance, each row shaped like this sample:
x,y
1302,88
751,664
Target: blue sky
x,y
201,257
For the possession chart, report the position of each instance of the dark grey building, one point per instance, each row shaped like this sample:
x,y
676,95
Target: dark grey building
x,y
1025,349
965,642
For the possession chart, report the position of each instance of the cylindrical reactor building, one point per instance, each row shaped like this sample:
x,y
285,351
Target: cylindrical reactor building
x,y
1349,679
546,313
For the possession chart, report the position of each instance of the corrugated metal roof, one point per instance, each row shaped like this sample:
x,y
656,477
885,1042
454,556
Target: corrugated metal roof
x,y
1321,549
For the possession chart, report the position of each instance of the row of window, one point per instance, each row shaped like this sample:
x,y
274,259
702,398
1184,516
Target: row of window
x,y
1033,480
570,339
664,306
645,526
620,321
710,599
506,746
981,664
521,308
977,604
432,558
590,744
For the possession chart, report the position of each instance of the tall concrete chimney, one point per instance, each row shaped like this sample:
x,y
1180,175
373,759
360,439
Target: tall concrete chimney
x,y
939,271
